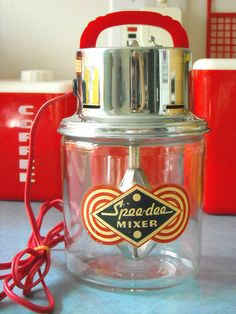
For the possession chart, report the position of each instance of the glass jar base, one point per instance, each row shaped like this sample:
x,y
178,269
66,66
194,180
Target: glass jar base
x,y
115,272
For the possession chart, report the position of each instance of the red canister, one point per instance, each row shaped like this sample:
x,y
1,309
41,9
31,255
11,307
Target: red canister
x,y
19,103
214,86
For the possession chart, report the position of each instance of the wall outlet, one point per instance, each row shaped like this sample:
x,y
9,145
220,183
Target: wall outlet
x,y
115,36
119,35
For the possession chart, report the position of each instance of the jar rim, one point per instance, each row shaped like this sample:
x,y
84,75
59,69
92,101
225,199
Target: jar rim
x,y
138,127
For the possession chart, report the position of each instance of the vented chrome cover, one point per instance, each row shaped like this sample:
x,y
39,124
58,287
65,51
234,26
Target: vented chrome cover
x,y
123,81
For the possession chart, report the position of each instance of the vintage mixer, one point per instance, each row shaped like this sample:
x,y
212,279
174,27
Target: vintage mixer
x,y
132,159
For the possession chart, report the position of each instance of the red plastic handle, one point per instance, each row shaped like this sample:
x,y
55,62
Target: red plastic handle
x,y
94,28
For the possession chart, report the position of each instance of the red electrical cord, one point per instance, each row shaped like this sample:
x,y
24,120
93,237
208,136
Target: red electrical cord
x,y
30,266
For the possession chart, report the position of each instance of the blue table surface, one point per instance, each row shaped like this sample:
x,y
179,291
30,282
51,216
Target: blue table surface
x,y
213,291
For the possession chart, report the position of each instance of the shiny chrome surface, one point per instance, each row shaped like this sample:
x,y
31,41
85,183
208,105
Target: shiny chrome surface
x,y
123,81
139,127
133,92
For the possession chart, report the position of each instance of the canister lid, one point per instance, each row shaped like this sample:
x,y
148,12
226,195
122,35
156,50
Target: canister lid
x,y
215,64
36,81
36,75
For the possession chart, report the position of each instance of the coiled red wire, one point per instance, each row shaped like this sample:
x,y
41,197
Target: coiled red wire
x,y
30,266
